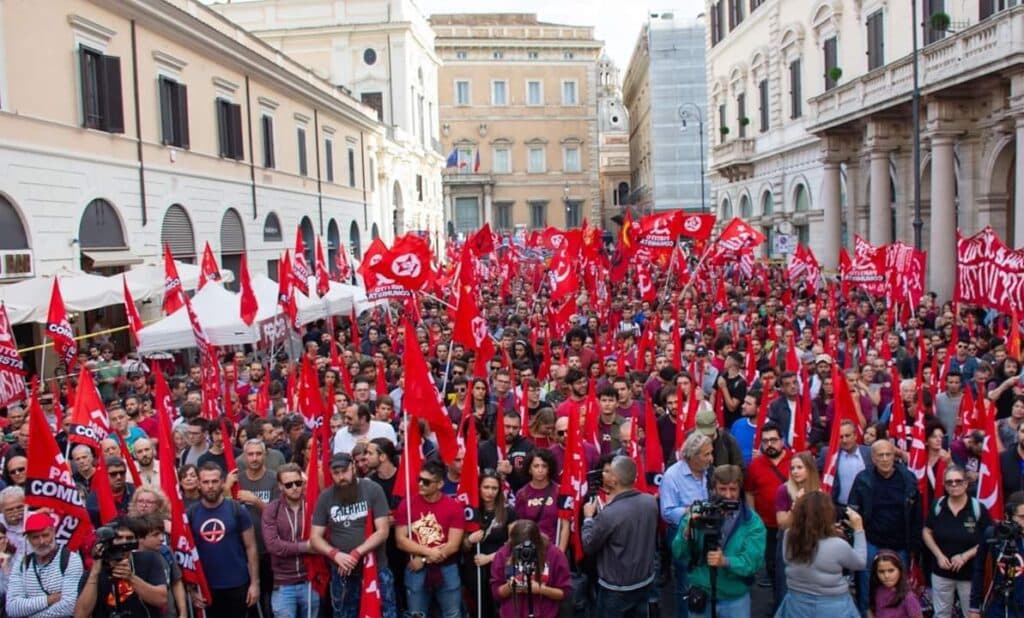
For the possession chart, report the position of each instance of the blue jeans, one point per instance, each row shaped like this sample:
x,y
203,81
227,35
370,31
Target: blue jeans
x,y
290,601
346,592
613,603
733,608
679,574
448,593
863,576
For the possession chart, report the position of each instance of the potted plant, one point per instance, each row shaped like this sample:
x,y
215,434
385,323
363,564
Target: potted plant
x,y
940,21
723,130
835,74
744,121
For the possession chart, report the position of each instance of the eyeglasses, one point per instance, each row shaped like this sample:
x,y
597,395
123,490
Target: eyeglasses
x,y
425,482
770,440
561,433
293,484
955,482
460,390
16,471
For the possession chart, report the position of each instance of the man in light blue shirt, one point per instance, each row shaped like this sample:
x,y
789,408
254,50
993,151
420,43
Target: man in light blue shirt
x,y
684,483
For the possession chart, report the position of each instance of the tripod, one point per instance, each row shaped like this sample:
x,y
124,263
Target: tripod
x,y
1007,565
711,543
527,569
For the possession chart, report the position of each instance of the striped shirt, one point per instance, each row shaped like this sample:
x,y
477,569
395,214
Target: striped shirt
x,y
31,583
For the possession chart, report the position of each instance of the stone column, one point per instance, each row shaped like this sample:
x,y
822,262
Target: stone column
x,y
1018,189
488,206
880,219
832,216
942,245
852,191
449,208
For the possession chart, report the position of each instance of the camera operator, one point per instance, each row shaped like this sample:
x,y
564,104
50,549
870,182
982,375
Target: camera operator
x,y
1002,548
123,582
529,558
723,541
623,537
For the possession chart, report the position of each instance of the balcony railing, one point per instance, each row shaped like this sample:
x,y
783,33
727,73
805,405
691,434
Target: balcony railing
x,y
732,159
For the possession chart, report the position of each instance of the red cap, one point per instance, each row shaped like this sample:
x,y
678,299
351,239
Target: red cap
x,y
37,522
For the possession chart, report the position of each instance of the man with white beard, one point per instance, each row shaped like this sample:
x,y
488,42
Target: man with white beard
x,y
44,581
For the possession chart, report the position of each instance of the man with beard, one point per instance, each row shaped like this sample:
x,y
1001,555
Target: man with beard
x,y
117,471
12,516
282,527
577,382
512,465
258,488
764,477
226,544
782,411
44,582
344,509
148,467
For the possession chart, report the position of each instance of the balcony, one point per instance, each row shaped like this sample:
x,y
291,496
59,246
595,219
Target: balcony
x,y
462,177
985,48
732,160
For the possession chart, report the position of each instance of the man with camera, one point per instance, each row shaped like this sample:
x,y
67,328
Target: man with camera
x,y
123,582
722,540
623,538
44,580
1002,549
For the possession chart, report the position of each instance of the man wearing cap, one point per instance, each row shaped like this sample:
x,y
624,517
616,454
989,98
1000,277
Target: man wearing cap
x,y
117,472
339,532
725,448
43,582
767,472
732,388
822,370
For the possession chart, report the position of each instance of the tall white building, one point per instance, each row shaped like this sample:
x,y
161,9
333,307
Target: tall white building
x,y
382,52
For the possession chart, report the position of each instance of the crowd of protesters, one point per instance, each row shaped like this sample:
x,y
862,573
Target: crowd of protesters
x,y
731,505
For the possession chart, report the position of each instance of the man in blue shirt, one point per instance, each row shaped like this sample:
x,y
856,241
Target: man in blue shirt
x,y
684,483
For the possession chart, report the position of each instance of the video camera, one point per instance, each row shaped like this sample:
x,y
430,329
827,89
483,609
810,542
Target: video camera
x,y
709,515
524,557
109,549
1007,530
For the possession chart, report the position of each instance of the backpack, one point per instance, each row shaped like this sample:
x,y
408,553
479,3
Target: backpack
x,y
63,557
975,506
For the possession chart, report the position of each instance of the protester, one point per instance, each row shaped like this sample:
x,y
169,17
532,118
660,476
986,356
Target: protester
x,y
481,546
44,580
890,591
282,525
768,472
520,585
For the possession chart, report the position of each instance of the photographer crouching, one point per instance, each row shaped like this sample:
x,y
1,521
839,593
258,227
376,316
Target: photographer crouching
x,y
723,542
1001,550
529,574
123,581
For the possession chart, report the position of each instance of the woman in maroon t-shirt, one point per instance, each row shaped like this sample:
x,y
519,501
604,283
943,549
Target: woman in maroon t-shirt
x,y
538,499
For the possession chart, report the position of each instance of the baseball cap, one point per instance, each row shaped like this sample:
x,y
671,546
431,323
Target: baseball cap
x,y
37,522
341,460
707,422
823,358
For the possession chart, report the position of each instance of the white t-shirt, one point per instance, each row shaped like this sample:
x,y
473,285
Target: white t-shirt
x,y
345,441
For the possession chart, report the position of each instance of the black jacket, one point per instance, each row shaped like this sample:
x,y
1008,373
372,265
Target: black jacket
x,y
1013,477
861,499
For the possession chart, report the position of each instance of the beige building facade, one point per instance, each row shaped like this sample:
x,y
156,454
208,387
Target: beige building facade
x,y
836,156
145,122
382,52
518,101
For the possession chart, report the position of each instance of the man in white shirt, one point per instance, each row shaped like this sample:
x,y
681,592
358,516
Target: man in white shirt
x,y
359,427
853,458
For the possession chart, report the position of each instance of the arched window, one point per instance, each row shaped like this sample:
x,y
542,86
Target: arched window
x,y
767,204
333,243
309,240
100,228
176,232
745,208
353,240
801,199
12,229
272,229
726,210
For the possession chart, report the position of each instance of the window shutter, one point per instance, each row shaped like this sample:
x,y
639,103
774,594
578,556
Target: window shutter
x,y
235,116
762,88
268,141
741,113
182,107
83,77
985,8
796,98
166,110
223,133
329,159
113,107
303,166
831,60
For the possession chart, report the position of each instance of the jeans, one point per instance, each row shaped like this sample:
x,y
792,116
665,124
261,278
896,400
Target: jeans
x,y
615,603
944,591
679,573
346,592
732,608
863,576
448,593
289,601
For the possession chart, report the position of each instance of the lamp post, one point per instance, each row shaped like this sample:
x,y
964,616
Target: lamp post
x,y
915,104
684,115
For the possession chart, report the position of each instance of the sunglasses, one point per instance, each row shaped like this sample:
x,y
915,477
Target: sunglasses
x,y
561,433
293,484
17,471
425,482
955,482
116,472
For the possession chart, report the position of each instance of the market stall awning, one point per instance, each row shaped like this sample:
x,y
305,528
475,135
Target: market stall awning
x,y
112,259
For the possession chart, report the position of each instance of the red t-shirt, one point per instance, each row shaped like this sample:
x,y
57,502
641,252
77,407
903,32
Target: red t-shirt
x,y
431,521
763,481
566,408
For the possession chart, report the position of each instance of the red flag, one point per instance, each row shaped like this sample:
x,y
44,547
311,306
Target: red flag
x,y
898,415
89,423
317,568
104,492
131,312
12,368
323,278
698,227
129,462
844,409
421,398
1013,338
343,268
412,458
208,364
58,328
181,542
407,263
370,602
468,492
300,268
247,306
50,484
572,489
990,476
738,235
311,402
209,271
654,457
286,288
229,456
658,232
628,243
174,294
480,242
564,279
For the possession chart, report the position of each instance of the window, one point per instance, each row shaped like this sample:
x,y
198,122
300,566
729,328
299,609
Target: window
x,y
498,55
499,92
831,62
419,188
573,212
716,22
572,158
372,183
735,13
300,134
754,4
741,113
795,97
723,125
762,94
462,92
102,108
351,167
501,160
802,199
534,93
461,55
932,7
536,163
173,112
568,55
374,100
503,213
569,93
538,215
876,40
267,133
532,55
229,129
370,56
329,159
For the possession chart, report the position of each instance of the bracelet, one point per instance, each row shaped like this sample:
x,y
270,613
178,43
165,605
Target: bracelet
x,y
355,554
331,554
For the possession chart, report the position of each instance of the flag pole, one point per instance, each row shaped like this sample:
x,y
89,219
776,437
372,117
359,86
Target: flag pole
x,y
479,592
309,599
408,489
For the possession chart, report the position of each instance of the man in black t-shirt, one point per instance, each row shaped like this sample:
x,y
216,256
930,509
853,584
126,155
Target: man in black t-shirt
x,y
133,585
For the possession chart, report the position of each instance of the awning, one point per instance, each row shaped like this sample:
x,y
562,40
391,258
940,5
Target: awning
x,y
109,259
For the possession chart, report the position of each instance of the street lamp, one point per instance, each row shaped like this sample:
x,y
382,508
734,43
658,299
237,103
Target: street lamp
x,y
684,116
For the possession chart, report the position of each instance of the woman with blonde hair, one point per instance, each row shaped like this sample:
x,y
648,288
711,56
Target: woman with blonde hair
x,y
148,499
